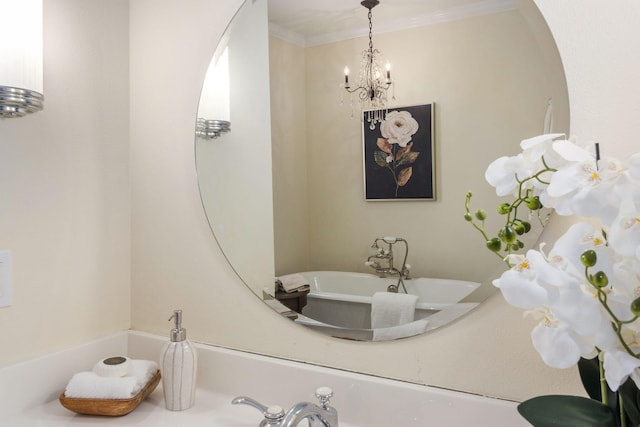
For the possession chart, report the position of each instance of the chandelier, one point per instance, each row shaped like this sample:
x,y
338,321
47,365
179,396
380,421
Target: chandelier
x,y
373,79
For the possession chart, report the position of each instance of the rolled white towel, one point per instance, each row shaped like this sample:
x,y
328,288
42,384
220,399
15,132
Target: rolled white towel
x,y
293,282
395,332
89,385
143,371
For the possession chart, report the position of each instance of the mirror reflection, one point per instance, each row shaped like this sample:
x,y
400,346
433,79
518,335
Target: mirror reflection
x,y
284,189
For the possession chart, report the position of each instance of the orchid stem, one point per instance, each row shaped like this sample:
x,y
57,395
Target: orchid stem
x,y
603,383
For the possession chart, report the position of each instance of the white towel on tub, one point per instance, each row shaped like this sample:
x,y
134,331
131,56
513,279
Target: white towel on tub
x,y
391,309
395,332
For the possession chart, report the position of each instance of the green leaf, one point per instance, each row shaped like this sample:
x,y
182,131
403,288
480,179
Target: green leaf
x,y
566,411
590,375
408,158
631,401
381,158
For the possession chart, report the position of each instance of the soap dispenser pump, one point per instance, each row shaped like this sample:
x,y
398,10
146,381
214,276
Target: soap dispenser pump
x,y
179,363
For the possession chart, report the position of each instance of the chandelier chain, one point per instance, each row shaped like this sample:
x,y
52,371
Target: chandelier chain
x,y
370,32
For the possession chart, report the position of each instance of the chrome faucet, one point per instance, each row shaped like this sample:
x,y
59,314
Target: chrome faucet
x,y
321,415
387,254
318,416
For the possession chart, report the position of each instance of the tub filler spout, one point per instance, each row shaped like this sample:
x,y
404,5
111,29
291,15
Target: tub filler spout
x,y
386,255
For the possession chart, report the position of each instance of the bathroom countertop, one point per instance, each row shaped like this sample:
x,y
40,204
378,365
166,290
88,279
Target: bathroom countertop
x,y
32,399
211,410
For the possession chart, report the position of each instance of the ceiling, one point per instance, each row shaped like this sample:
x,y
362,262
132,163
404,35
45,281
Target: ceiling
x,y
315,22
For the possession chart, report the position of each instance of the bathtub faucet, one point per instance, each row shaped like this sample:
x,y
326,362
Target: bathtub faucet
x,y
321,415
386,255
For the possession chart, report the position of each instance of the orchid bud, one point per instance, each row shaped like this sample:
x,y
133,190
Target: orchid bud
x,y
600,279
504,208
481,214
533,203
494,244
589,258
635,307
507,234
519,229
468,217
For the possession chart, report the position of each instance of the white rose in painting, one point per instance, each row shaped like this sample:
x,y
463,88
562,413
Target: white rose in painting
x,y
398,127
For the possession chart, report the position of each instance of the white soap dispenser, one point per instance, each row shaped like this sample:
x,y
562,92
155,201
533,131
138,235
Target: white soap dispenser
x,y
179,363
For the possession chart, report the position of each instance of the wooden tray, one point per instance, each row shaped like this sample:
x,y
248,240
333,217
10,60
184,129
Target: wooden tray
x,y
109,407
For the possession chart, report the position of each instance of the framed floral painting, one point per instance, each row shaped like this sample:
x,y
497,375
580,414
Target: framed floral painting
x,y
399,155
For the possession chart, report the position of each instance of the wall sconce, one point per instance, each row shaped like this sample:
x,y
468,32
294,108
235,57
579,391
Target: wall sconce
x,y
214,109
21,51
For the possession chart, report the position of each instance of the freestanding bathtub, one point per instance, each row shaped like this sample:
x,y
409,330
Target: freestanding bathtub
x,y
339,303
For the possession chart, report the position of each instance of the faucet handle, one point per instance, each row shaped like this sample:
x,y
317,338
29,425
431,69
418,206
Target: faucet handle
x,y
272,414
324,394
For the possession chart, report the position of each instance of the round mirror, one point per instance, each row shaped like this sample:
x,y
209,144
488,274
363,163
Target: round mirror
x,y
283,153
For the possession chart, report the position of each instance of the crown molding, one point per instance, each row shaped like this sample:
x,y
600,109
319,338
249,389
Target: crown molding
x,y
486,7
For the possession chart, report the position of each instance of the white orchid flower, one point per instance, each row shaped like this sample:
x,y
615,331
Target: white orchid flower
x,y
583,307
624,234
625,289
560,347
502,174
519,285
579,238
583,186
538,147
618,366
505,172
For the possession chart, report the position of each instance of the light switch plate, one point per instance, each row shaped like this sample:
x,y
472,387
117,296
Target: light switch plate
x,y
5,278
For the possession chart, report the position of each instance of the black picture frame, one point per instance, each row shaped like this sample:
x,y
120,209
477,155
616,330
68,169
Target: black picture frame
x,y
399,164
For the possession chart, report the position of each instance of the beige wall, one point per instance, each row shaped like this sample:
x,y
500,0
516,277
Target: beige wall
x,y
69,281
288,82
490,81
64,187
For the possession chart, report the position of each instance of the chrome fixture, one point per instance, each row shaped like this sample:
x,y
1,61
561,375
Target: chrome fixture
x,y
21,52
373,79
210,129
214,108
386,254
321,415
